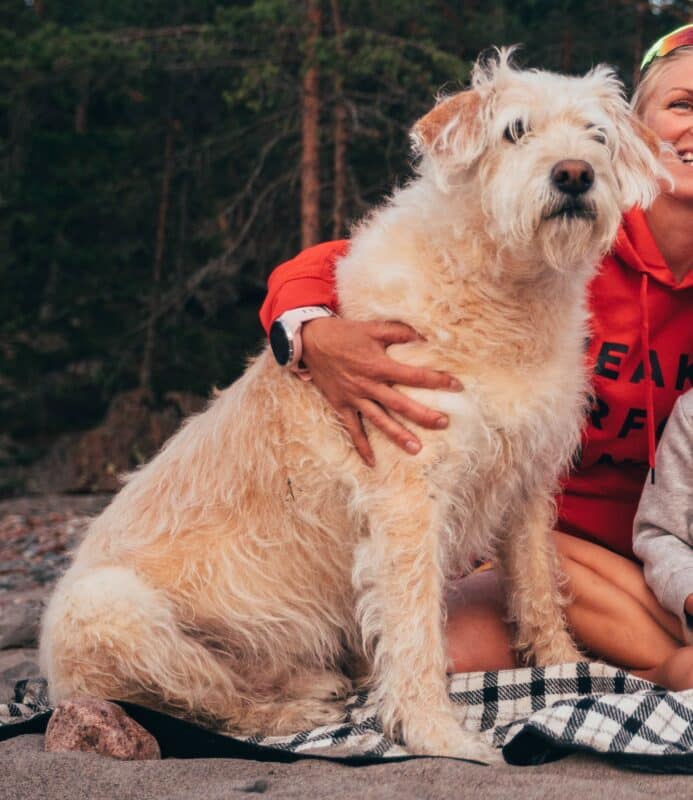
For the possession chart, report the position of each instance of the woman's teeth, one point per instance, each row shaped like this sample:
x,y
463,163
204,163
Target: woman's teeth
x,y
687,157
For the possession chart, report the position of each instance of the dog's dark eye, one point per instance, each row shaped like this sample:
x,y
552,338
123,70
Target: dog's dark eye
x,y
597,134
515,131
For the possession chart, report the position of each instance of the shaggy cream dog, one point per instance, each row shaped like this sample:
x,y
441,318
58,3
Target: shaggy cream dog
x,y
256,567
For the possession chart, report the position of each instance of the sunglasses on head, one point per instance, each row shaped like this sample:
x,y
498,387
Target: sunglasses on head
x,y
681,37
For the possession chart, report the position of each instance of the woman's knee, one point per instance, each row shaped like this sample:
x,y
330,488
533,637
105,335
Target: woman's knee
x,y
478,637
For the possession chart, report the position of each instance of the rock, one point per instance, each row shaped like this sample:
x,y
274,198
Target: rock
x,y
14,456
93,461
37,535
16,665
187,403
97,726
259,786
20,615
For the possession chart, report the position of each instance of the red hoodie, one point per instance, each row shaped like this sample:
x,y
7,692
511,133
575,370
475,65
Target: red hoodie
x,y
636,306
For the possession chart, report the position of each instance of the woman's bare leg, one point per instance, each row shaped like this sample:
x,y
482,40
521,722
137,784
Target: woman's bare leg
x,y
612,614
675,672
478,638
592,568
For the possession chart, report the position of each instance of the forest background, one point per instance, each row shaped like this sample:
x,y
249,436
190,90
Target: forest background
x,y
158,159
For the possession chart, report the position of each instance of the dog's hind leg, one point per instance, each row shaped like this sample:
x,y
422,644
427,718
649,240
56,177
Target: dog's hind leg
x,y
535,601
107,634
400,575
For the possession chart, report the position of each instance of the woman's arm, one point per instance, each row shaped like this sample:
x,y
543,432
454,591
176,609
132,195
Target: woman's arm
x,y
307,280
348,360
663,537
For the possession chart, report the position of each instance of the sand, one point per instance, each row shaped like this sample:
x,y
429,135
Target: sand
x,y
28,773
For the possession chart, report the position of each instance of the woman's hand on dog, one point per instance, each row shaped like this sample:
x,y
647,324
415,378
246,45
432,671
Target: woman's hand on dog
x,y
349,364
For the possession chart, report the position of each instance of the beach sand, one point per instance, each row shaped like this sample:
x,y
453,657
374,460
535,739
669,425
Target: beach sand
x,y
29,773
36,536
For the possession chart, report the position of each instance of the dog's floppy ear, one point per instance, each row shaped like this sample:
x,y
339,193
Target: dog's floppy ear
x,y
636,150
460,111
638,164
451,133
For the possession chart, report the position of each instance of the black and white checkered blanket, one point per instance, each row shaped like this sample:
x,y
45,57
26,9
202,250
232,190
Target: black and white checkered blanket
x,y
533,714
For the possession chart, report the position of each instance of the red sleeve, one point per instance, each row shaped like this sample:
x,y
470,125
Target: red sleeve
x,y
307,280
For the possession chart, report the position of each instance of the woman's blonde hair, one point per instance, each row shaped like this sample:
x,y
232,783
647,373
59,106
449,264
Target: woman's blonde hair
x,y
646,84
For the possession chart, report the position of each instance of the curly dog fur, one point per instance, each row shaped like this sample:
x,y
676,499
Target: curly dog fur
x,y
256,567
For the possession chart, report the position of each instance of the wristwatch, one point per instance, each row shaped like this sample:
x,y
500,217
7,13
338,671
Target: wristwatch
x,y
285,334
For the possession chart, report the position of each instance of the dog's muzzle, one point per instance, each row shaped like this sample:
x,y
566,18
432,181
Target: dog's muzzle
x,y
573,178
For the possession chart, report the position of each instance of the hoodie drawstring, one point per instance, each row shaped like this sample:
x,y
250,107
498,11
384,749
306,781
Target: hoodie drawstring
x,y
647,366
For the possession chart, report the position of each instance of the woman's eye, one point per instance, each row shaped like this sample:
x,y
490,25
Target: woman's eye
x,y
685,104
514,131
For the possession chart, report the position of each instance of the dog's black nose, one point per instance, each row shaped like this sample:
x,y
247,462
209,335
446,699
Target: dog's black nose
x,y
572,176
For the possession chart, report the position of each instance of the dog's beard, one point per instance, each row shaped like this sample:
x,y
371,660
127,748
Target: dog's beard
x,y
577,231
569,233
575,237
565,233
564,253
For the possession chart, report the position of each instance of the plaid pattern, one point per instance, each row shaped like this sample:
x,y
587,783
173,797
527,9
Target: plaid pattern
x,y
534,714
30,699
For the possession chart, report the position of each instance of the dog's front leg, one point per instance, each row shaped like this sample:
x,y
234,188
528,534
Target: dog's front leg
x,y
535,581
399,576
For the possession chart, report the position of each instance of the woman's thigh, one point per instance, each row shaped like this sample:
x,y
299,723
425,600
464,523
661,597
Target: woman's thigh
x,y
611,613
616,571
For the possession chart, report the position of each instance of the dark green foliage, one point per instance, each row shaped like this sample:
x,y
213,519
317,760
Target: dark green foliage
x,y
89,93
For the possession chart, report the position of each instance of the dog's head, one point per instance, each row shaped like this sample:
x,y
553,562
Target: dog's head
x,y
553,160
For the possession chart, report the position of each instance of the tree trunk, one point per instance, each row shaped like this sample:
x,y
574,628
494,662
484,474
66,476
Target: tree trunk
x,y
340,133
82,105
310,138
567,49
154,299
182,236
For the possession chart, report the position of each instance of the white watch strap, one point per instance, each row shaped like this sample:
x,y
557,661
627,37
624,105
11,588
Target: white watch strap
x,y
292,321
295,317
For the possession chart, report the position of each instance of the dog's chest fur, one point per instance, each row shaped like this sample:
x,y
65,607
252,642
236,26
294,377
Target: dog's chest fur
x,y
516,348
510,432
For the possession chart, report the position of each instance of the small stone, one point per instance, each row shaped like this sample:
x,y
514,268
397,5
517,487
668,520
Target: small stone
x,y
98,726
259,786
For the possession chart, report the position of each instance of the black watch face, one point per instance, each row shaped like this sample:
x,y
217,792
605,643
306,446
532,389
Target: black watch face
x,y
279,342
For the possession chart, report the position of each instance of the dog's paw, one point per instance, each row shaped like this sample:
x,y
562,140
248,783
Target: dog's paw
x,y
441,735
457,744
316,698
306,715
